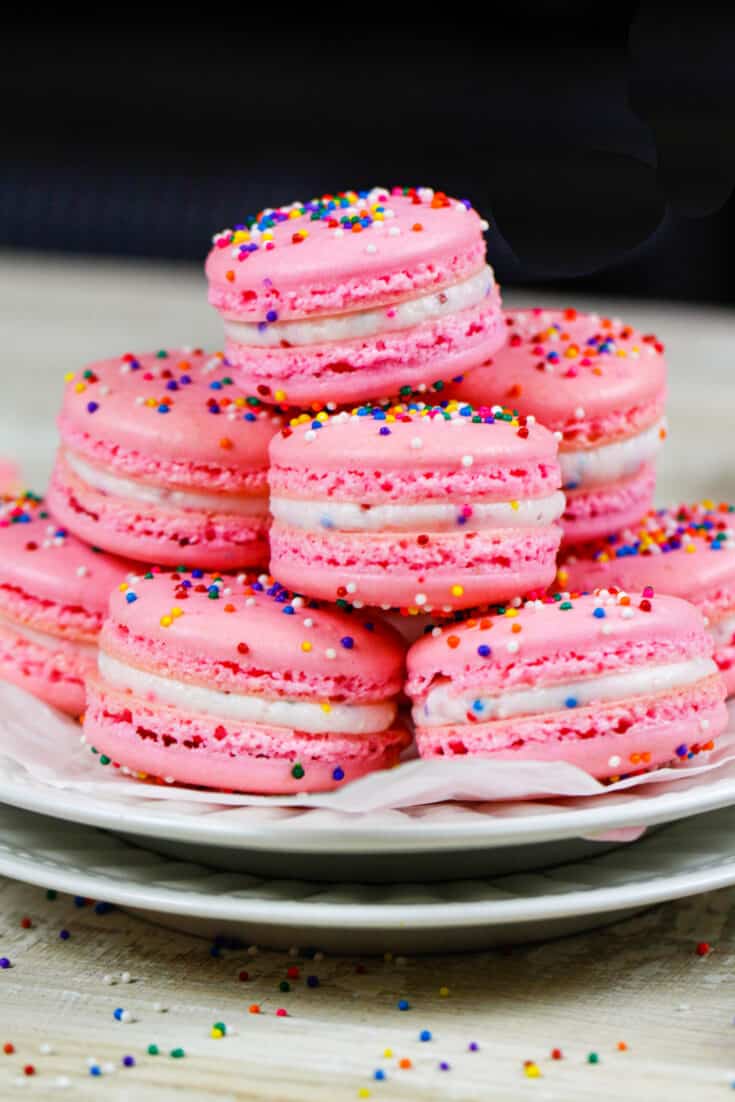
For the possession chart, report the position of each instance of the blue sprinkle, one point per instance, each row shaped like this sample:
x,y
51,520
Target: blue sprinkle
x,y
477,706
215,385
185,379
163,409
197,573
117,1014
571,702
347,642
425,1035
289,610
338,774
172,385
599,613
484,650
95,1070
102,908
271,316
379,1074
79,901
312,981
128,1061
385,431
403,1004
681,751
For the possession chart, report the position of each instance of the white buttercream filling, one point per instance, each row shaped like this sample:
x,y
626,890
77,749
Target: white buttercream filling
x,y
599,466
365,323
443,706
302,715
201,501
45,639
349,516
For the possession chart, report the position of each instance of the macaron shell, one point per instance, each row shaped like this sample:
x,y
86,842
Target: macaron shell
x,y
358,370
130,411
168,537
55,674
574,394
331,273
156,739
603,510
47,564
607,740
242,637
558,641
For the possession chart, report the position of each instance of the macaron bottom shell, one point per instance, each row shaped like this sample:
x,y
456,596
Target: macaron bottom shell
x,y
358,370
169,537
203,750
451,571
604,510
606,740
53,673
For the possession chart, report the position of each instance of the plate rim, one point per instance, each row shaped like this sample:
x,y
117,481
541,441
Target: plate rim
x,y
398,916
414,834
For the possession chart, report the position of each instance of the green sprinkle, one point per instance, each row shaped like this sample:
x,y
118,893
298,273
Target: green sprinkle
x,y
284,985
153,1050
565,606
297,771
593,1058
51,894
104,760
177,1053
220,1026
162,354
94,749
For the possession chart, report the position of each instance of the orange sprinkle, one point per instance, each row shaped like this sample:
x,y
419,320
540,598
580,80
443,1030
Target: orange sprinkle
x,y
405,1063
225,443
453,641
254,1008
230,276
417,227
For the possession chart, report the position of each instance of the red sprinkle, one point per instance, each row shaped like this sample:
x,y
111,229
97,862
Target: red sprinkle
x,y
8,1049
703,948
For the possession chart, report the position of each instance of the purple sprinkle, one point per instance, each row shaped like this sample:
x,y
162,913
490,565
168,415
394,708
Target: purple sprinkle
x,y
4,962
64,935
128,1061
92,407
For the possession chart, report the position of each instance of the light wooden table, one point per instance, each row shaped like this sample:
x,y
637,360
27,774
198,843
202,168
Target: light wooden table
x,y
640,982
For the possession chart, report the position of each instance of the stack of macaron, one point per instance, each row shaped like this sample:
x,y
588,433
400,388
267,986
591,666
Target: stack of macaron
x,y
227,537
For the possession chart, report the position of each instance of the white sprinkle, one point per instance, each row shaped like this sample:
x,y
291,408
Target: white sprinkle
x,y
484,225
62,1081
297,602
330,652
108,1068
626,613
436,632
420,599
351,587
606,629
371,248
308,622
468,460
139,400
126,1017
249,602
614,761
358,604
558,435
253,951
169,780
45,1048
704,725
393,231
125,977
579,413
417,442
310,435
108,979
339,232
160,1008
530,419
512,646
318,957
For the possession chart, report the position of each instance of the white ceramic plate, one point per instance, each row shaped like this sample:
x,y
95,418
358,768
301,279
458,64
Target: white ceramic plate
x,y
682,859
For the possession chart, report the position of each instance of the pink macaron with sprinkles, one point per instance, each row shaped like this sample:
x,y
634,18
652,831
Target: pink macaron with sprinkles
x,y
164,459
54,591
687,551
601,386
427,508
355,295
234,683
612,683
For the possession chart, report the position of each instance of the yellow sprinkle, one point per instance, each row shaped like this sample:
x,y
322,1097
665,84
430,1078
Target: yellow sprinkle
x,y
515,505
69,376
80,387
562,575
151,402
239,237
142,776
690,548
239,402
457,590
532,1071
280,396
363,1093
176,612
444,991
123,587
604,557
294,213
306,646
216,1033
511,612
166,621
387,1053
621,352
325,706
708,504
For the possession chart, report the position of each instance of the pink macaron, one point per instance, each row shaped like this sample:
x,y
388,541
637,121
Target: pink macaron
x,y
601,386
165,460
687,551
53,599
353,296
428,508
611,683
236,684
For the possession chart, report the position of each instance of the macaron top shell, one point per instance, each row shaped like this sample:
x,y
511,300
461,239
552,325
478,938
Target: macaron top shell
x,y
343,252
582,375
415,441
251,635
172,405
687,551
559,640
41,560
